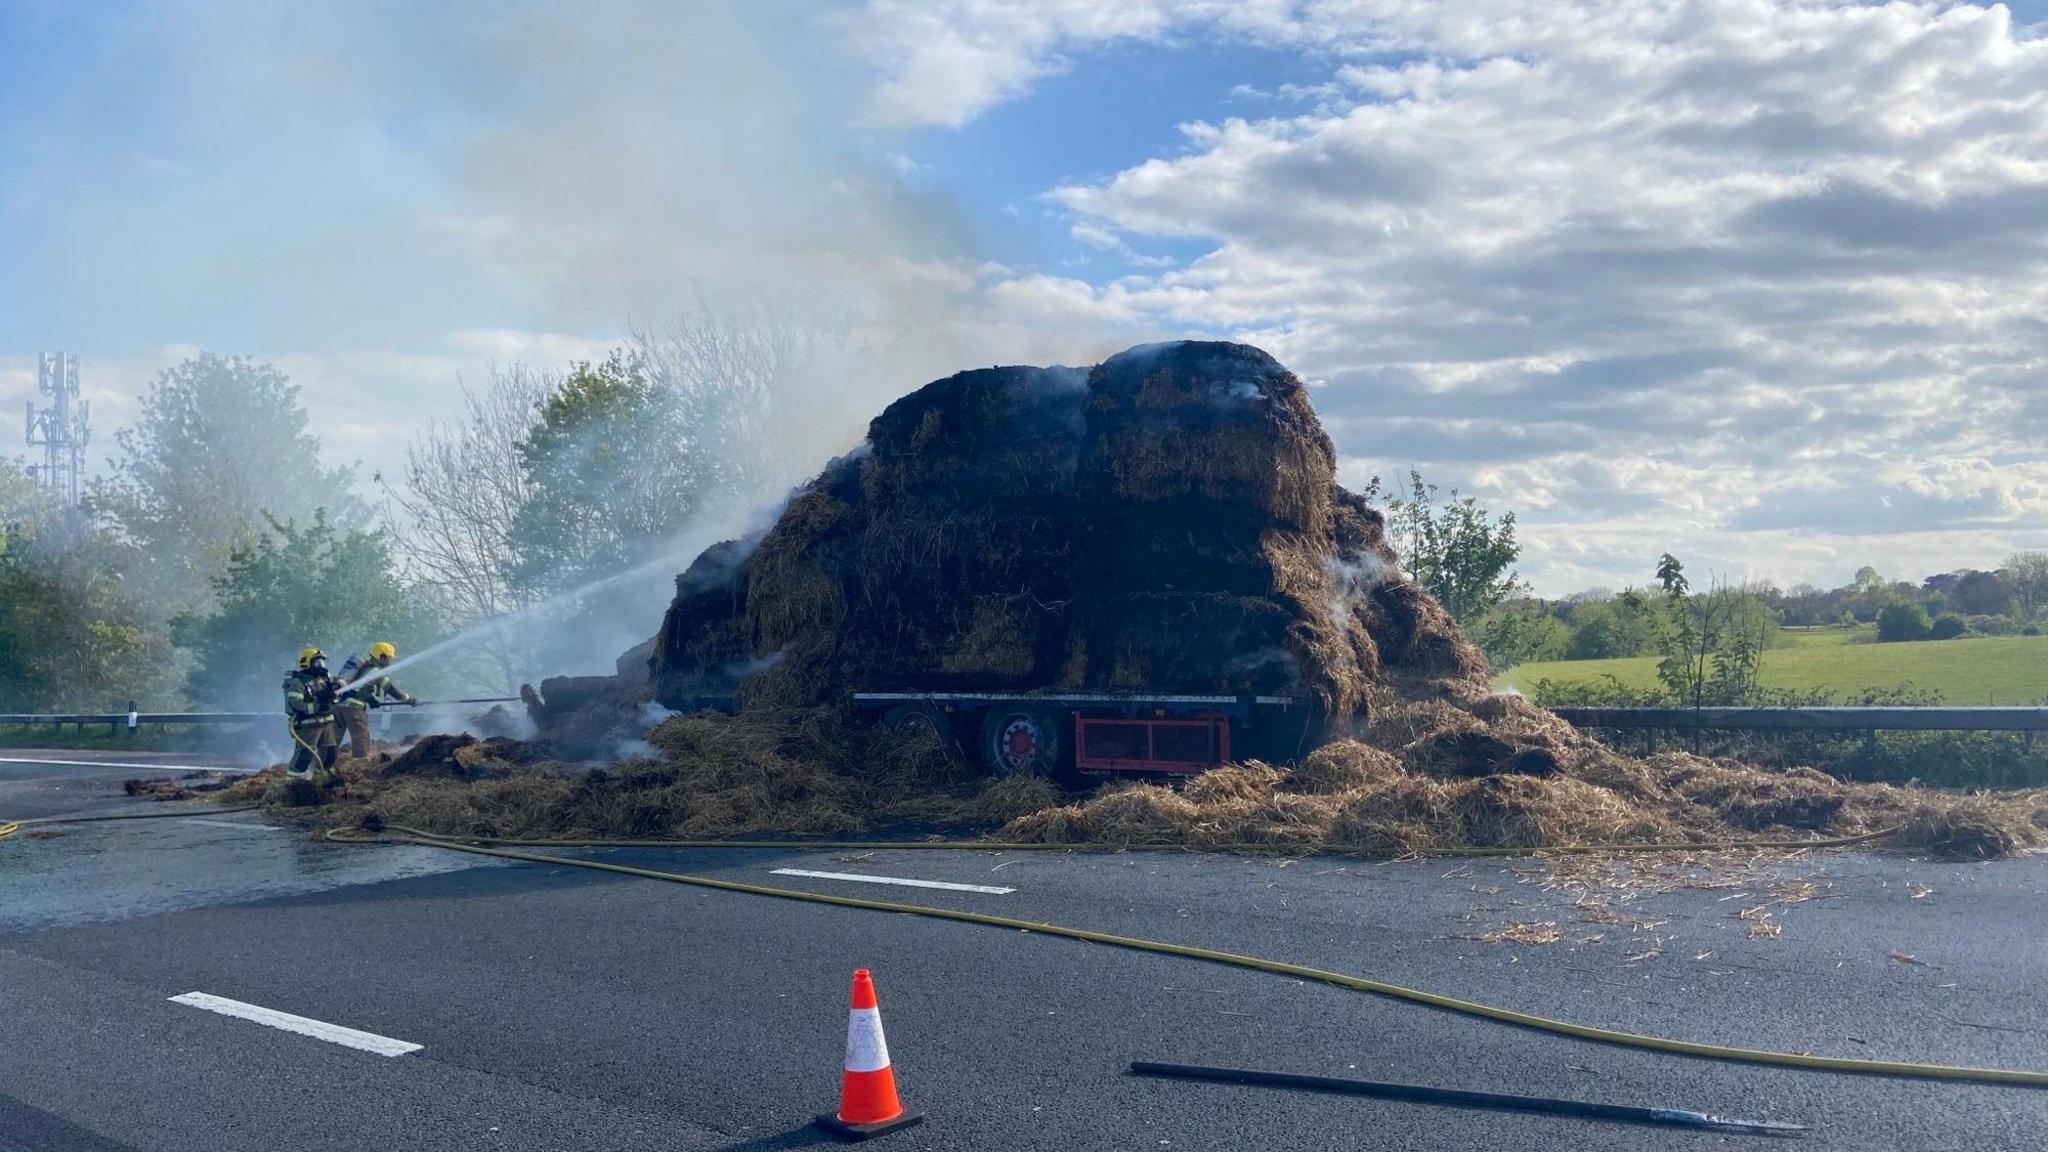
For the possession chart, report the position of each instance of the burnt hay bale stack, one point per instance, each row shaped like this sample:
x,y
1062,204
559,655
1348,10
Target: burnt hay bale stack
x,y
1168,521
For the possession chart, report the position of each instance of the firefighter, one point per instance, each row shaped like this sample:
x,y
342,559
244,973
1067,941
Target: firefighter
x,y
357,697
309,694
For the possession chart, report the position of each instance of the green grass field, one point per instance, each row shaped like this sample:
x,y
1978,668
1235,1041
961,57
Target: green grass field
x,y
1973,670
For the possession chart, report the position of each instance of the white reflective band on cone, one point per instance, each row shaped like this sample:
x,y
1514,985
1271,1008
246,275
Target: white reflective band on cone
x,y
866,1050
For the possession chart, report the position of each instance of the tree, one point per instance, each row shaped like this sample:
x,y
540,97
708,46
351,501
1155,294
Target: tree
x,y
748,383
2026,574
287,588
222,443
1455,549
1902,620
1712,644
1519,632
1623,626
610,478
464,486
70,637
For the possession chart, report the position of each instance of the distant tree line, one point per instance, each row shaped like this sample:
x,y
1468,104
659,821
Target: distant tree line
x,y
219,541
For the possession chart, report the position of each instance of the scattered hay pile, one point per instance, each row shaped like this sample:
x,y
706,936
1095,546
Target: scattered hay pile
x,y
1353,795
709,776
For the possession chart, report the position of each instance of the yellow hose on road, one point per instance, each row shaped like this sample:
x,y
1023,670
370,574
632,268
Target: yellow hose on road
x,y
1412,995
10,827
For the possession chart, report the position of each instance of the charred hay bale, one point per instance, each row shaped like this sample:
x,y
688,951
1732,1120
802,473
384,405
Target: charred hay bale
x,y
703,638
432,755
496,754
1621,775
1532,761
1754,799
1360,530
1415,634
1167,522
1458,751
1342,766
1175,641
1214,427
250,789
291,792
1014,430
794,595
1396,721
1968,828
1248,781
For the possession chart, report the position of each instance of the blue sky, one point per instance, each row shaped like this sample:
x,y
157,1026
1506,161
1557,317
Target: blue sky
x,y
1084,125
1754,281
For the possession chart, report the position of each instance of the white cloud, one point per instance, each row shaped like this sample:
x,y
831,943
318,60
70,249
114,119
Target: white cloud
x,y
1742,279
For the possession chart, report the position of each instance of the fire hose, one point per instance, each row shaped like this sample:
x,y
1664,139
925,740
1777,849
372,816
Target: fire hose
x,y
399,834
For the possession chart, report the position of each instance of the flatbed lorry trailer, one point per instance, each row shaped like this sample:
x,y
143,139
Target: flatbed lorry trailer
x,y
1098,733
1064,734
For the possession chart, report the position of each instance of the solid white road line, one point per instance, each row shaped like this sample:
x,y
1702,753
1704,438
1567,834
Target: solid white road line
x,y
892,880
123,764
318,1030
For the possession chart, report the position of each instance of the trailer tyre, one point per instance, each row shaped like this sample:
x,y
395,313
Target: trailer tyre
x,y
919,718
1018,741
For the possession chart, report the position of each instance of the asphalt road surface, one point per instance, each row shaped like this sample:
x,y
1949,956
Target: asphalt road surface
x,y
557,1008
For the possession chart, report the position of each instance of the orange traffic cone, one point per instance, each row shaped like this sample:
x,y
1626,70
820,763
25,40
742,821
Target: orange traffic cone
x,y
867,1093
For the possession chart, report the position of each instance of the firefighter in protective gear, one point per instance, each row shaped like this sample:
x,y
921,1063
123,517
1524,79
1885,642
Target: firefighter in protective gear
x,y
360,694
309,695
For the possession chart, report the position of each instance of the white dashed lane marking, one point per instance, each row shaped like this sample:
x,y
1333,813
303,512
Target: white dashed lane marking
x,y
317,1029
860,878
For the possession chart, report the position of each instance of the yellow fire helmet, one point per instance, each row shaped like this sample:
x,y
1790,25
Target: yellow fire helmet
x,y
308,655
383,652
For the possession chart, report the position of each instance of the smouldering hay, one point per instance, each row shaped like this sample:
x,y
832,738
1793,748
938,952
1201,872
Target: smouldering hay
x,y
803,773
1168,522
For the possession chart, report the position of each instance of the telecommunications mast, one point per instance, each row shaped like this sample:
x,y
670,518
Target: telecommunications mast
x,y
61,427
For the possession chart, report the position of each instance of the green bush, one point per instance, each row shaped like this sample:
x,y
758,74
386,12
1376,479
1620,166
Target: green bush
x,y
1948,626
1992,625
1902,620
1942,759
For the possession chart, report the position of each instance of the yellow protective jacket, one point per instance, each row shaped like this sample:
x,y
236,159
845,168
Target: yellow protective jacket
x,y
309,696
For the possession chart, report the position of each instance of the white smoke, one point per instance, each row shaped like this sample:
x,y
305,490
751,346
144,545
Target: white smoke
x,y
1353,577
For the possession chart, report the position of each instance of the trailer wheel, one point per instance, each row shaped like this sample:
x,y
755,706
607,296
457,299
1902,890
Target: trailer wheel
x,y
1017,741
920,718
